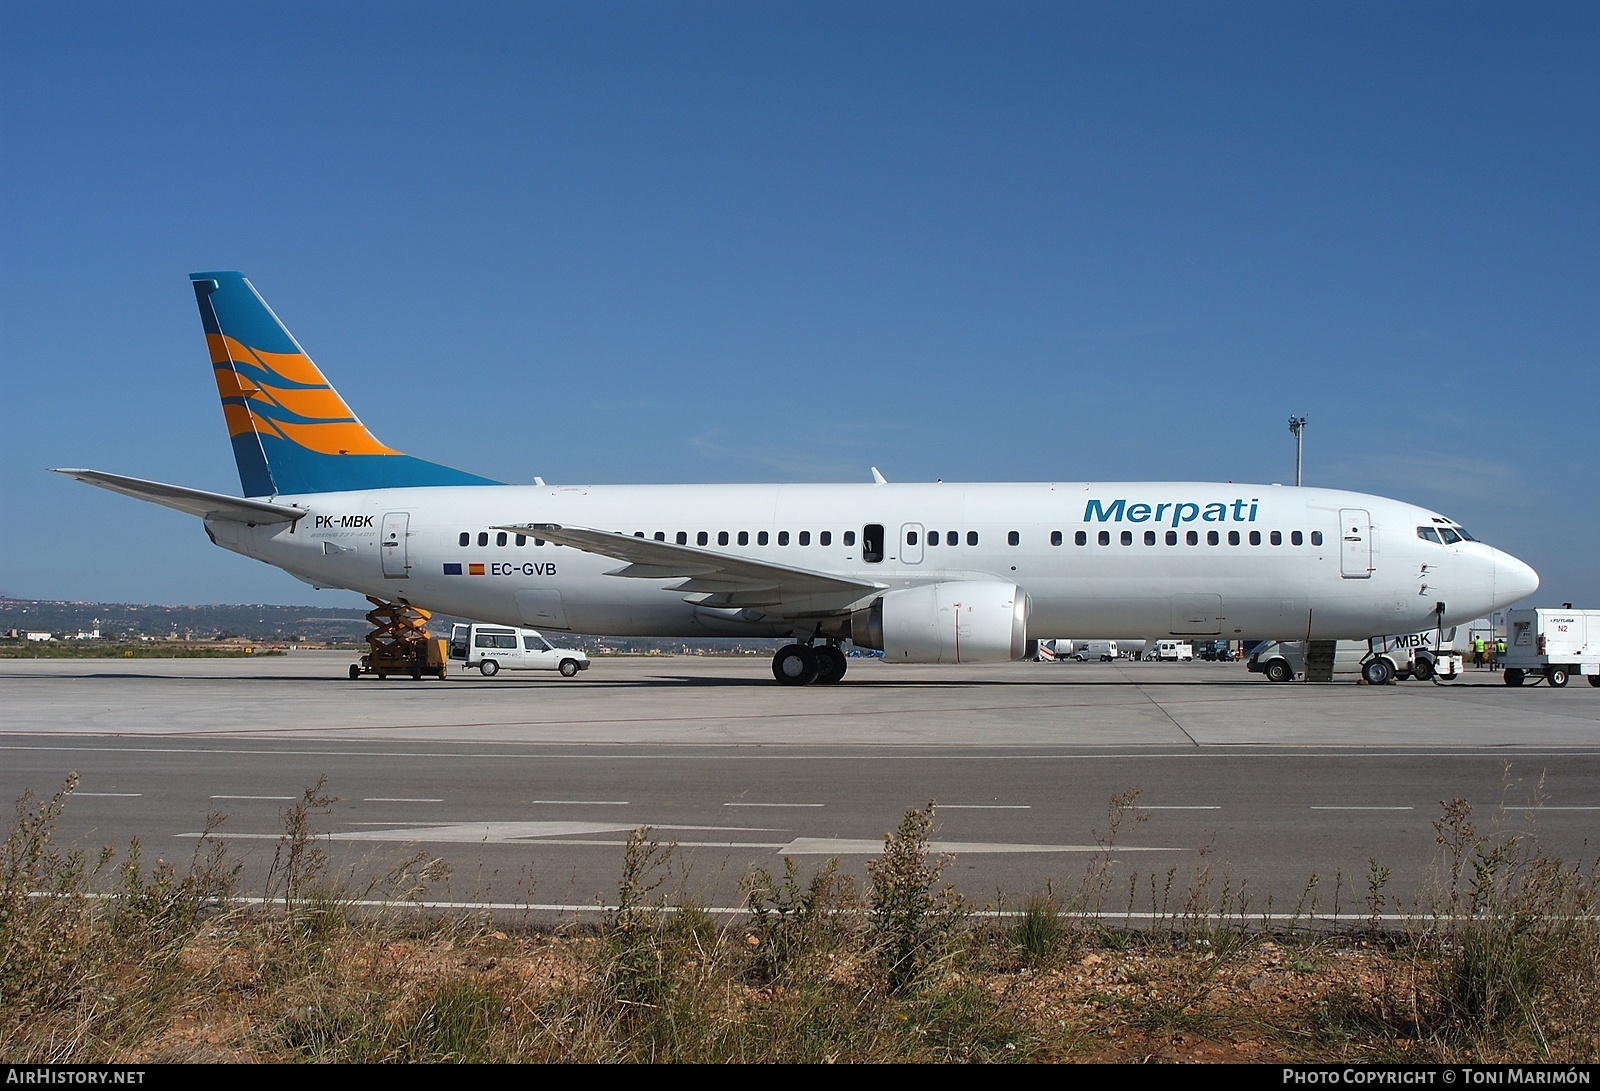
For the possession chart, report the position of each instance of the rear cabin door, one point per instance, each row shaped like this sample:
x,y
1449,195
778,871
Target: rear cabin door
x,y
1355,544
396,566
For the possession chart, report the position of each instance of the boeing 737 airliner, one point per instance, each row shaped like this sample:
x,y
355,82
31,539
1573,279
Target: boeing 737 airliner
x,y
926,573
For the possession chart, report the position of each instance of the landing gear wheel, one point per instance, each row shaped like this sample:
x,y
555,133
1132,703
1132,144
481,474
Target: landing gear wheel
x,y
489,668
831,664
1556,676
795,665
1278,671
355,672
1377,672
569,667
1513,676
1423,670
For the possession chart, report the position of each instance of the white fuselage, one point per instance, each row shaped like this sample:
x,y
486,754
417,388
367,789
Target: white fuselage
x,y
1157,558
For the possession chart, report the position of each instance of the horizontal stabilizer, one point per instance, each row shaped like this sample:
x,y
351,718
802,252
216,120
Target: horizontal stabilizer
x,y
192,501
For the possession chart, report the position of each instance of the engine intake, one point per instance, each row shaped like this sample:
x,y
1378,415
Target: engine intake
x,y
963,621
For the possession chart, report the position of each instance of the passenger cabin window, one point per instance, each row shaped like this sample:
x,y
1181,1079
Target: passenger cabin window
x,y
761,537
522,539
824,537
722,537
952,537
911,537
1080,538
1193,537
1212,537
500,539
661,535
872,543
1105,537
1316,537
483,538
683,537
1055,537
972,537
849,537
1296,538
1172,537
1233,537
1013,538
933,537
805,537
467,538
1255,537
1127,537
783,537
744,537
702,538
1277,537
1149,537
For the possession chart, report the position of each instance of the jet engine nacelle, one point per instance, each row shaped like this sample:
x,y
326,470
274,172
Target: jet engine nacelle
x,y
964,621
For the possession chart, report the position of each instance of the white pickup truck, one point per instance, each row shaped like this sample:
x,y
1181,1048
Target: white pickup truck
x,y
492,648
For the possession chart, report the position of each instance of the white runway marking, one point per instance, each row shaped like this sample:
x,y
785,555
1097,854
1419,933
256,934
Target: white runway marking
x,y
828,846
256,797
398,799
112,795
580,802
984,807
773,804
1341,807
1178,807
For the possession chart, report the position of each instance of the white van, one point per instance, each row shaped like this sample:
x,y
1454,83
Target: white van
x,y
1174,651
493,647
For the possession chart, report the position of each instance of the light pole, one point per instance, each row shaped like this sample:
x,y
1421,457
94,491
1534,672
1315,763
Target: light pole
x,y
1297,425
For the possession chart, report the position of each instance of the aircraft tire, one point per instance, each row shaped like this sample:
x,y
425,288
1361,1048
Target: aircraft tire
x,y
795,665
1513,676
1378,672
489,668
831,664
1556,676
569,667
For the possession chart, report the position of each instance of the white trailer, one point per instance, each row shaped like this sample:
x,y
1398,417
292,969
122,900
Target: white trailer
x,y
1553,645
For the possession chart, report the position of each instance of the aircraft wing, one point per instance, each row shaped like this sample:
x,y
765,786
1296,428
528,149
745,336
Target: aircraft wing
x,y
193,501
711,578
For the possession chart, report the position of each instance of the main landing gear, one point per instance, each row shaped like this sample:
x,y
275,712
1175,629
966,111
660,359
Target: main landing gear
x,y
803,664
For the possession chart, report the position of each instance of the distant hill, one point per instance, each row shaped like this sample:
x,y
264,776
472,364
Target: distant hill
x,y
131,620
307,624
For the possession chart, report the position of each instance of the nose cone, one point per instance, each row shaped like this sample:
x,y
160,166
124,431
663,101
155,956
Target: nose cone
x,y
1513,580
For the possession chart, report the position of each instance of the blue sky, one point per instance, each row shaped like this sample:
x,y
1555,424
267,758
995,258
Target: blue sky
x,y
697,242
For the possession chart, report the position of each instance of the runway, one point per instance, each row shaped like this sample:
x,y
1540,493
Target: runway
x,y
529,784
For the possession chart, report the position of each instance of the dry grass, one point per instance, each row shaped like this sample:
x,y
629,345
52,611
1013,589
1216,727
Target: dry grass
x,y
171,968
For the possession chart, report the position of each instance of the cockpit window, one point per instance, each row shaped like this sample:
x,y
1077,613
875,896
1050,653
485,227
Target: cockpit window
x,y
1428,534
1450,536
1464,535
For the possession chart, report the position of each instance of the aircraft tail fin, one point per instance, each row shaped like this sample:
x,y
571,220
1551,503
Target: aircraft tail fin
x,y
291,431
